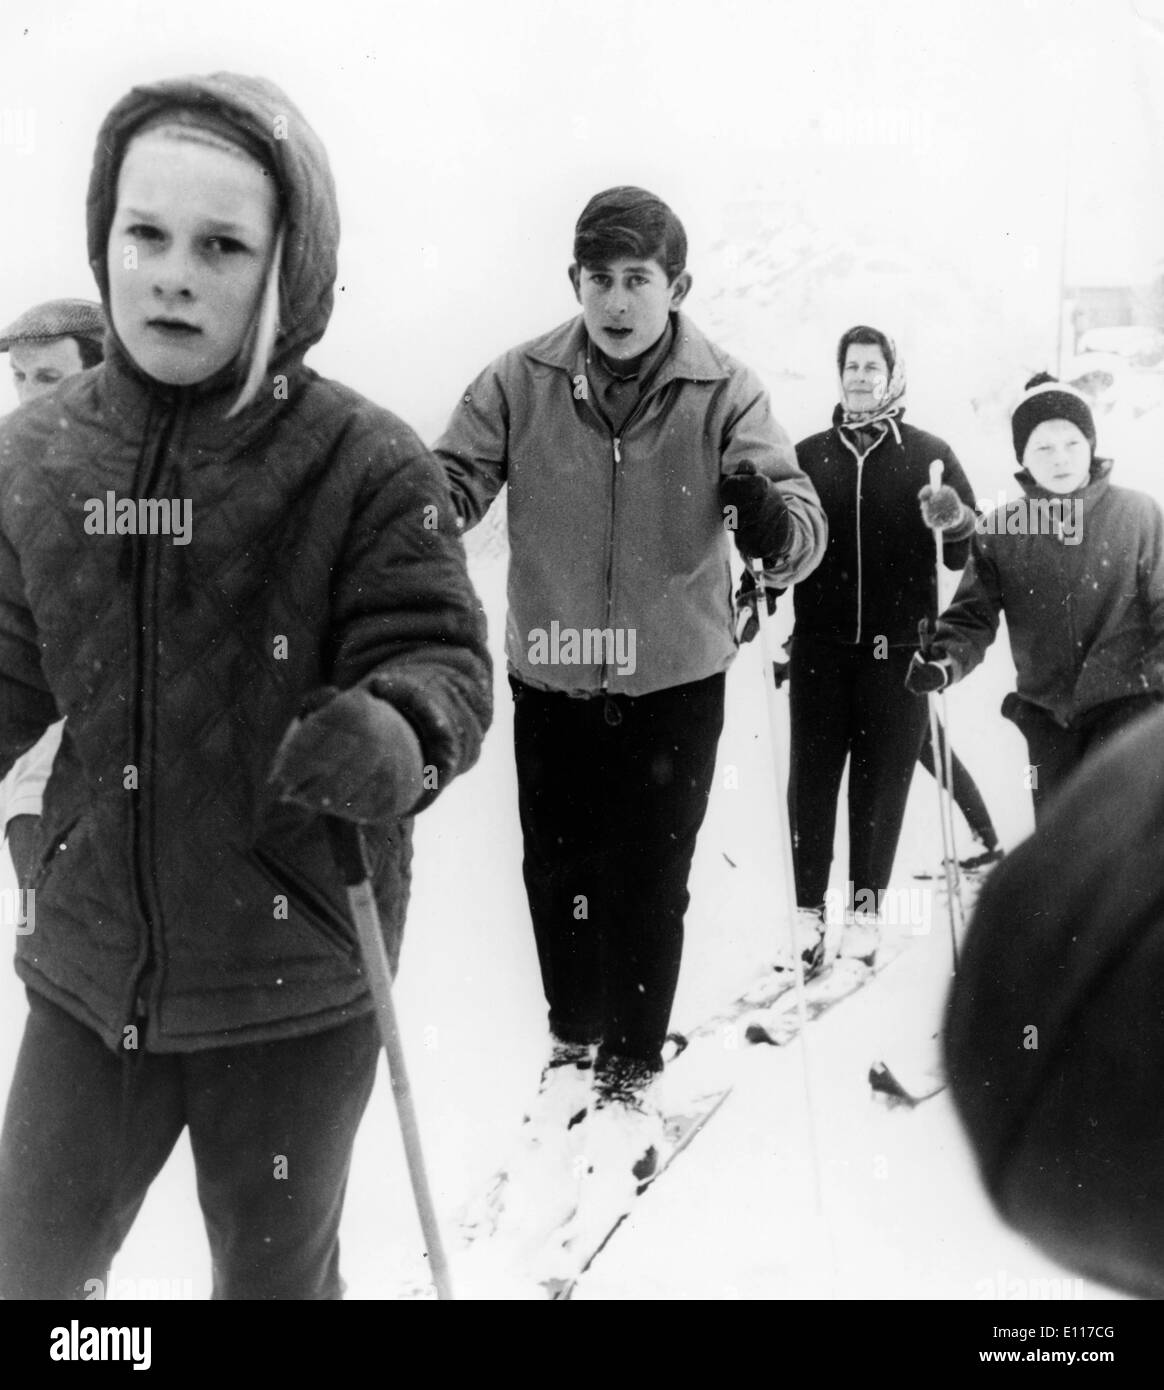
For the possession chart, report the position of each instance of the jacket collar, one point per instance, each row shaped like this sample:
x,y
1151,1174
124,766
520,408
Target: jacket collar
x,y
693,357
850,435
130,401
1090,493
839,417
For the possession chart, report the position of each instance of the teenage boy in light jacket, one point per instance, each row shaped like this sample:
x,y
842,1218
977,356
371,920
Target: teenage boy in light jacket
x,y
633,448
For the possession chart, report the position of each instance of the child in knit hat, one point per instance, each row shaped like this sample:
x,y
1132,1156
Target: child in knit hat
x,y
1077,566
193,965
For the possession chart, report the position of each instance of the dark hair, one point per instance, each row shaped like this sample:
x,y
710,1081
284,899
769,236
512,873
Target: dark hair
x,y
864,334
628,221
92,352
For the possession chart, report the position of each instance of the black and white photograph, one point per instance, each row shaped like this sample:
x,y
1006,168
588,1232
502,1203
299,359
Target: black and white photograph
x,y
582,662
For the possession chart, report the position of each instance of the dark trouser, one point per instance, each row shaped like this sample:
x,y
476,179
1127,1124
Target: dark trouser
x,y
87,1130
612,792
848,703
967,797
1055,752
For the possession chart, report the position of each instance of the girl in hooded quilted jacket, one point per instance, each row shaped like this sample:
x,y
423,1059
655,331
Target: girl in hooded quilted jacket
x,y
196,539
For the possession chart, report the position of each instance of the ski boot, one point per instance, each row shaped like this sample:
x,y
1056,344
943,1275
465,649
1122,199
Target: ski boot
x,y
810,931
861,937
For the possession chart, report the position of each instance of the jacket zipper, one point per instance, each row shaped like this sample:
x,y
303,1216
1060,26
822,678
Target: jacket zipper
x,y
860,557
616,441
860,458
143,569
616,449
616,452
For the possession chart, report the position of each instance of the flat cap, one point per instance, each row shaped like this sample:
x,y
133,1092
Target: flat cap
x,y
56,318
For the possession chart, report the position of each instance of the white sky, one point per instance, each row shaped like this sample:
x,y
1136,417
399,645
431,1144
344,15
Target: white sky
x,y
466,136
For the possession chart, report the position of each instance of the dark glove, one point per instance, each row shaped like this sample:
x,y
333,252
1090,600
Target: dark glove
x,y
924,677
929,670
759,515
353,756
942,508
747,618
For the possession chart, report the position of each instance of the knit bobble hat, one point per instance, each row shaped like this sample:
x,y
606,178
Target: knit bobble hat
x,y
1046,398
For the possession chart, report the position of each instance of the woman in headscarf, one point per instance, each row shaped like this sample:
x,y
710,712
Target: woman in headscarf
x,y
857,620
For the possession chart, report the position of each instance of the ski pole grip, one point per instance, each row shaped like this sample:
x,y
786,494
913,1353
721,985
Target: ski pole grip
x,y
936,474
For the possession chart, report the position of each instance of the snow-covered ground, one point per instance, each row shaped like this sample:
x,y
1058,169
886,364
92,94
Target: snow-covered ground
x,y
902,1214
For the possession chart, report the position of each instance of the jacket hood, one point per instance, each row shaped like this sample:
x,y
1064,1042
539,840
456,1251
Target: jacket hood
x,y
269,122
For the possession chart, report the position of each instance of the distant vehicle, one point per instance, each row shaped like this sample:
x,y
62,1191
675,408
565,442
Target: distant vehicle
x,y
1140,346
1099,375
1128,404
1120,369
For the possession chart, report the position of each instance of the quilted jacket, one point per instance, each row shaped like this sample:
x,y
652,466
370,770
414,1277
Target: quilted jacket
x,y
171,895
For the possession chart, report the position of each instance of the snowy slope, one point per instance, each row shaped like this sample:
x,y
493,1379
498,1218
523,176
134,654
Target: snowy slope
x,y
903,1214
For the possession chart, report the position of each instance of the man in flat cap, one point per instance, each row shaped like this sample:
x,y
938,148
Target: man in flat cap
x,y
52,341
46,344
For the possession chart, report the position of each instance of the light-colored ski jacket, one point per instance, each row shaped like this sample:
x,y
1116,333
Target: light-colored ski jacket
x,y
619,571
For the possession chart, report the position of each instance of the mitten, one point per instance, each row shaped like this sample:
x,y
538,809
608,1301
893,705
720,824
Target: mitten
x,y
354,757
943,510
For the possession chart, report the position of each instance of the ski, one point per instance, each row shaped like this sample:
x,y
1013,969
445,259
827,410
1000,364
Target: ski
x,y
886,1086
763,993
779,1024
972,874
597,1228
503,1245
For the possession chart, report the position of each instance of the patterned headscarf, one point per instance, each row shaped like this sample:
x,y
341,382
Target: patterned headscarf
x,y
891,405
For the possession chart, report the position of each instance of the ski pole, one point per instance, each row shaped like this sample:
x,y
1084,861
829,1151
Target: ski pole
x,y
347,845
943,756
784,825
786,858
